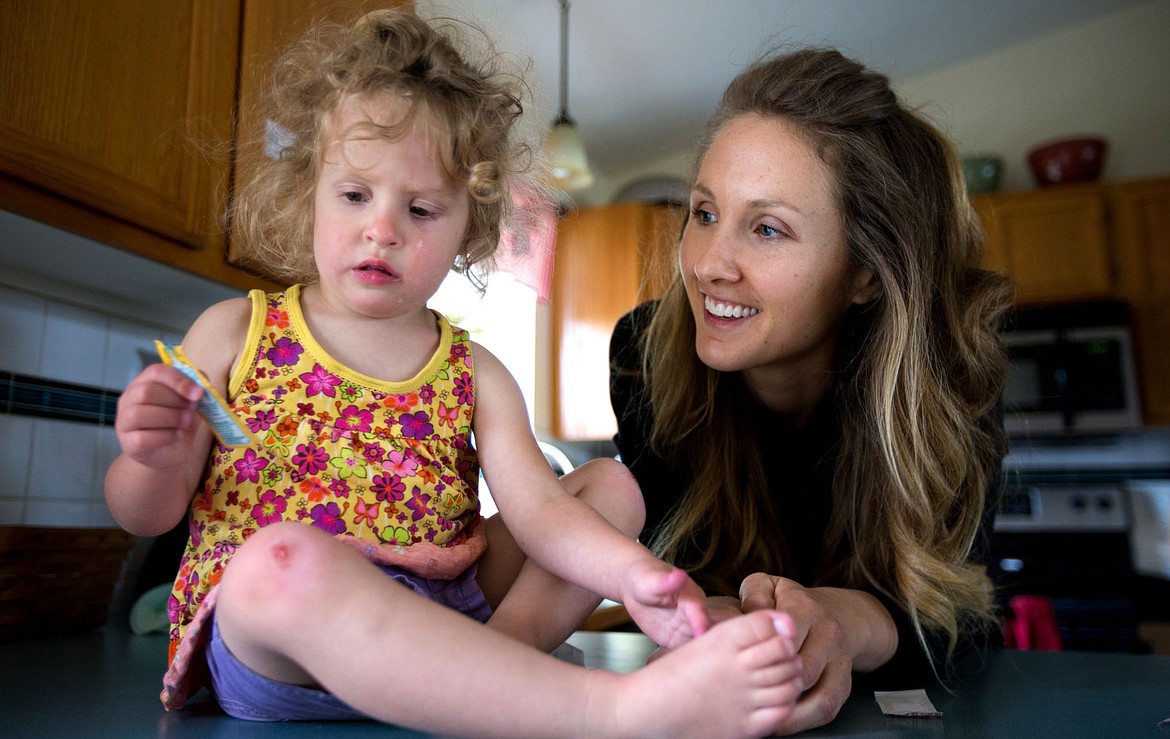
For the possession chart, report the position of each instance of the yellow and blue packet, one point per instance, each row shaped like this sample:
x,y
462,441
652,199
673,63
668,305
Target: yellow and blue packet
x,y
223,421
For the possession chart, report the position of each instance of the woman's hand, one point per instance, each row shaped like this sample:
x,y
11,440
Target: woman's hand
x,y
838,631
722,607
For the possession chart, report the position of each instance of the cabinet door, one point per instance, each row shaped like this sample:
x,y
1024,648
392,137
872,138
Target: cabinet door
x,y
1052,242
269,25
608,260
1141,232
124,106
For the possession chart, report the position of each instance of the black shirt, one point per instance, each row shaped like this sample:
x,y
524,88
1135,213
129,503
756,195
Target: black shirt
x,y
800,467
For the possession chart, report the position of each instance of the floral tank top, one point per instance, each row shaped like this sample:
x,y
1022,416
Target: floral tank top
x,y
387,466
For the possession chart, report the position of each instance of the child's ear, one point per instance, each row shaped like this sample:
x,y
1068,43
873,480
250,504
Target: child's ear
x,y
865,286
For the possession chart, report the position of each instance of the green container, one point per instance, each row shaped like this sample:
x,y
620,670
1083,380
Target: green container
x,y
982,173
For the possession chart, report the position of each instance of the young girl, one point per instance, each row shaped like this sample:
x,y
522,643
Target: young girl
x,y
299,591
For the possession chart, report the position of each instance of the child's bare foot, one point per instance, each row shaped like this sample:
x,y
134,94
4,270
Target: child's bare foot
x,y
741,678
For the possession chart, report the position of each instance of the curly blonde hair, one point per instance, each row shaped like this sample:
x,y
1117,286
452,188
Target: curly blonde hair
x,y
470,111
919,369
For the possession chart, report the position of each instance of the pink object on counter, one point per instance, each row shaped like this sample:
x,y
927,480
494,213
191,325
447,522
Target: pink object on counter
x,y
1032,624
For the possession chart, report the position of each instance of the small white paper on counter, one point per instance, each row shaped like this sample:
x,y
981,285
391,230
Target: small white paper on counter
x,y
913,703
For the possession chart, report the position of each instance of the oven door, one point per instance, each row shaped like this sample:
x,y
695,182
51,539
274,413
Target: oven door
x,y
1070,544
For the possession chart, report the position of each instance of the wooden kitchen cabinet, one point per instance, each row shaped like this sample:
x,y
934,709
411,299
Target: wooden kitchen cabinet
x,y
1140,230
116,107
1074,242
1053,242
608,260
118,116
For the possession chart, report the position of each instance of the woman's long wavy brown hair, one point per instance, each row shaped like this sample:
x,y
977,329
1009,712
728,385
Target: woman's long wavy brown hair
x,y
469,110
919,369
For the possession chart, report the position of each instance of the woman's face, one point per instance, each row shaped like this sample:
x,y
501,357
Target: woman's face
x,y
764,261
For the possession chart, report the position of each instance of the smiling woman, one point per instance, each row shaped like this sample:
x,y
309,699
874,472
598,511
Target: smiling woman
x,y
811,408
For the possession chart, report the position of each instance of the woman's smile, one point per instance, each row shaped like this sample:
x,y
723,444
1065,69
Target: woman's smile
x,y
720,309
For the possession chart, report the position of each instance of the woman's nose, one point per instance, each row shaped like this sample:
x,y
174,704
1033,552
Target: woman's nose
x,y
714,256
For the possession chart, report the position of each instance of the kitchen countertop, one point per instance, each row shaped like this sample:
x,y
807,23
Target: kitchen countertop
x,y
106,683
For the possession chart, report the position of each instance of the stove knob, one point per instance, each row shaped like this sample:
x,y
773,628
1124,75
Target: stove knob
x,y
1105,503
1079,502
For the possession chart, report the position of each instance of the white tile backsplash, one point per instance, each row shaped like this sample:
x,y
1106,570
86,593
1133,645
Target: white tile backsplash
x,y
50,470
108,449
124,342
99,516
12,511
22,331
57,513
75,345
15,454
85,327
64,460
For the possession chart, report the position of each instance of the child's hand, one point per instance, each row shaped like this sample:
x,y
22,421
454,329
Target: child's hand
x,y
157,419
665,603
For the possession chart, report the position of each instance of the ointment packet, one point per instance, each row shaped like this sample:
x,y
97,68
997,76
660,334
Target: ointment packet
x,y
223,421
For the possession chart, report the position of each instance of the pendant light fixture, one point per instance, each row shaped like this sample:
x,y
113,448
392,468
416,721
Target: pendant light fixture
x,y
563,145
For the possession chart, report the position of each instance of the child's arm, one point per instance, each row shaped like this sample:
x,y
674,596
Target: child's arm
x,y
164,441
565,535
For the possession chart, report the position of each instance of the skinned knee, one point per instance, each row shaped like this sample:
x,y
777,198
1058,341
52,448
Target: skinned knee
x,y
278,568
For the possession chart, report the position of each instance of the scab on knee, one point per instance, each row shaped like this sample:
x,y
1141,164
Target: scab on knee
x,y
280,552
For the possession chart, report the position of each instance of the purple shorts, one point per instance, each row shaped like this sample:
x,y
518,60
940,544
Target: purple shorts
x,y
244,694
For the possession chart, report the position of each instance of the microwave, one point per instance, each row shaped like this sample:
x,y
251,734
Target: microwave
x,y
1071,370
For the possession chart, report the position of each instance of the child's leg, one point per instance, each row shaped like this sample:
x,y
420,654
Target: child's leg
x,y
297,606
533,605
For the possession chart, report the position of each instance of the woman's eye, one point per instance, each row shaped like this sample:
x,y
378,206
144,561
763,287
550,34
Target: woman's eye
x,y
421,212
703,216
769,231
353,196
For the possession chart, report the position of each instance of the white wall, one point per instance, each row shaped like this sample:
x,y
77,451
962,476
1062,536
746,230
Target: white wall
x,y
1109,76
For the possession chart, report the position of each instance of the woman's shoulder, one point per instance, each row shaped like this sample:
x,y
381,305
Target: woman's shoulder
x,y
623,344
638,318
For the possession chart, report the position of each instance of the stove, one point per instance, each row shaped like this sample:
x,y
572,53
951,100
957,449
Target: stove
x,y
1051,508
1075,526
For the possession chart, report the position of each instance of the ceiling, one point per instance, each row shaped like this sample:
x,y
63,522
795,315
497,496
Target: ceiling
x,y
645,74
